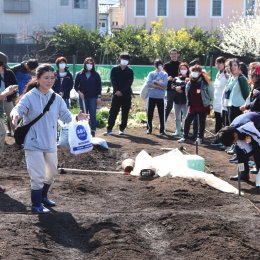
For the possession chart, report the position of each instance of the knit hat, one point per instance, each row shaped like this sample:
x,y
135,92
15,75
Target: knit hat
x,y
3,59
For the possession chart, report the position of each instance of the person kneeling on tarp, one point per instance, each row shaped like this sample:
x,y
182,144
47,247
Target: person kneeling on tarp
x,y
244,131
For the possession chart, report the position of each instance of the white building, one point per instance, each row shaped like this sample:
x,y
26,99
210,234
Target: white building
x,y
107,9
22,19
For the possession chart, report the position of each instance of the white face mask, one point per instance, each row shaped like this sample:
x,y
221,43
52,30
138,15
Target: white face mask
x,y
124,62
62,66
89,66
194,74
160,67
183,72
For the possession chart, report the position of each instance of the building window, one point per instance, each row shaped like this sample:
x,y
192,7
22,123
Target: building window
x,y
250,7
140,7
161,7
115,23
216,8
16,6
81,4
191,7
64,2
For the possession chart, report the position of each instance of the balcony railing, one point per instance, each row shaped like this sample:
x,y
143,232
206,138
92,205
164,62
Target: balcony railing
x,y
17,6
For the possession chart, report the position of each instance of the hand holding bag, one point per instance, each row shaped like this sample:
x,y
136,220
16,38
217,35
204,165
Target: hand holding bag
x,y
22,130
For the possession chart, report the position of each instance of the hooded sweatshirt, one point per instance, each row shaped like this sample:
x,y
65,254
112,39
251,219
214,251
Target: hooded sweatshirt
x,y
43,134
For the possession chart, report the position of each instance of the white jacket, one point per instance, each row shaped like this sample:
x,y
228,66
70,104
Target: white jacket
x,y
219,86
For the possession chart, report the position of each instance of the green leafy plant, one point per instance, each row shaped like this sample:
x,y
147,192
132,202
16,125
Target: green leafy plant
x,y
102,116
140,117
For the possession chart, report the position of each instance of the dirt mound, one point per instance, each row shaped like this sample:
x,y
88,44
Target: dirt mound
x,y
113,216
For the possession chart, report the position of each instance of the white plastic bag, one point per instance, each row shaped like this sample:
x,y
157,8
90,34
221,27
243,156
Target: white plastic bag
x,y
80,139
144,91
74,94
64,137
64,134
100,142
142,161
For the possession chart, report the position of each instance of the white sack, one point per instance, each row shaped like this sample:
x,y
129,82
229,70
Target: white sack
x,y
142,161
100,141
173,164
80,139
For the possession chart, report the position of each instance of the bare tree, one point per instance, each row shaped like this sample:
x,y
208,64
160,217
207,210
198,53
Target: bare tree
x,y
241,36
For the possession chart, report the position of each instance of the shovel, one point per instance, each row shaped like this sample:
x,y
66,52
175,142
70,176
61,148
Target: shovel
x,y
71,170
84,106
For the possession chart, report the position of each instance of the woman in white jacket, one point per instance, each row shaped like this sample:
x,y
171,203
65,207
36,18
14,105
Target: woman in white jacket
x,y
219,86
40,142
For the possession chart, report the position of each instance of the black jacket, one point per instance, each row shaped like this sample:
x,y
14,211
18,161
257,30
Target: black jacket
x,y
9,79
172,69
122,80
65,87
179,98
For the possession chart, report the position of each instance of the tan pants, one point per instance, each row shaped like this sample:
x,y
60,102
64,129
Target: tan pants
x,y
42,168
2,136
8,106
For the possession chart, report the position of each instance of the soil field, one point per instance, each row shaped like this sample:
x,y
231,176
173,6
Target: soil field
x,y
114,216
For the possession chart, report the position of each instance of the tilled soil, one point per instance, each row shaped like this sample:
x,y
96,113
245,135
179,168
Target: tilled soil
x,y
115,216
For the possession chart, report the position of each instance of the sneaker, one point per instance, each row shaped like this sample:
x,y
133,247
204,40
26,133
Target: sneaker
x,y
162,133
121,132
253,170
148,132
229,148
182,140
108,132
251,164
230,152
176,135
233,160
199,141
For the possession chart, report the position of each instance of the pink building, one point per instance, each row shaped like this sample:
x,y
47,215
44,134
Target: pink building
x,y
208,14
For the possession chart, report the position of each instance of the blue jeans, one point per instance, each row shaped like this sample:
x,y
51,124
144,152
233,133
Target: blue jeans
x,y
67,101
179,110
91,107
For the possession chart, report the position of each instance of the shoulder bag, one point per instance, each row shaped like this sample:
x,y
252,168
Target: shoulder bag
x,y
22,130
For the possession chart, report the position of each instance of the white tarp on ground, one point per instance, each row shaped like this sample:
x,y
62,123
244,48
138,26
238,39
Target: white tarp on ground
x,y
173,164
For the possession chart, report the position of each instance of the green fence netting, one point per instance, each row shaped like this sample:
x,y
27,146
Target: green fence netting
x,y
140,72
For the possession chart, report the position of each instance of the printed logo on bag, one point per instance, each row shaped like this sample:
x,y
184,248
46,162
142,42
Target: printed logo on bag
x,y
81,133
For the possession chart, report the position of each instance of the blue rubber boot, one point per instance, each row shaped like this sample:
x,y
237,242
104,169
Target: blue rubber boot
x,y
37,206
45,200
